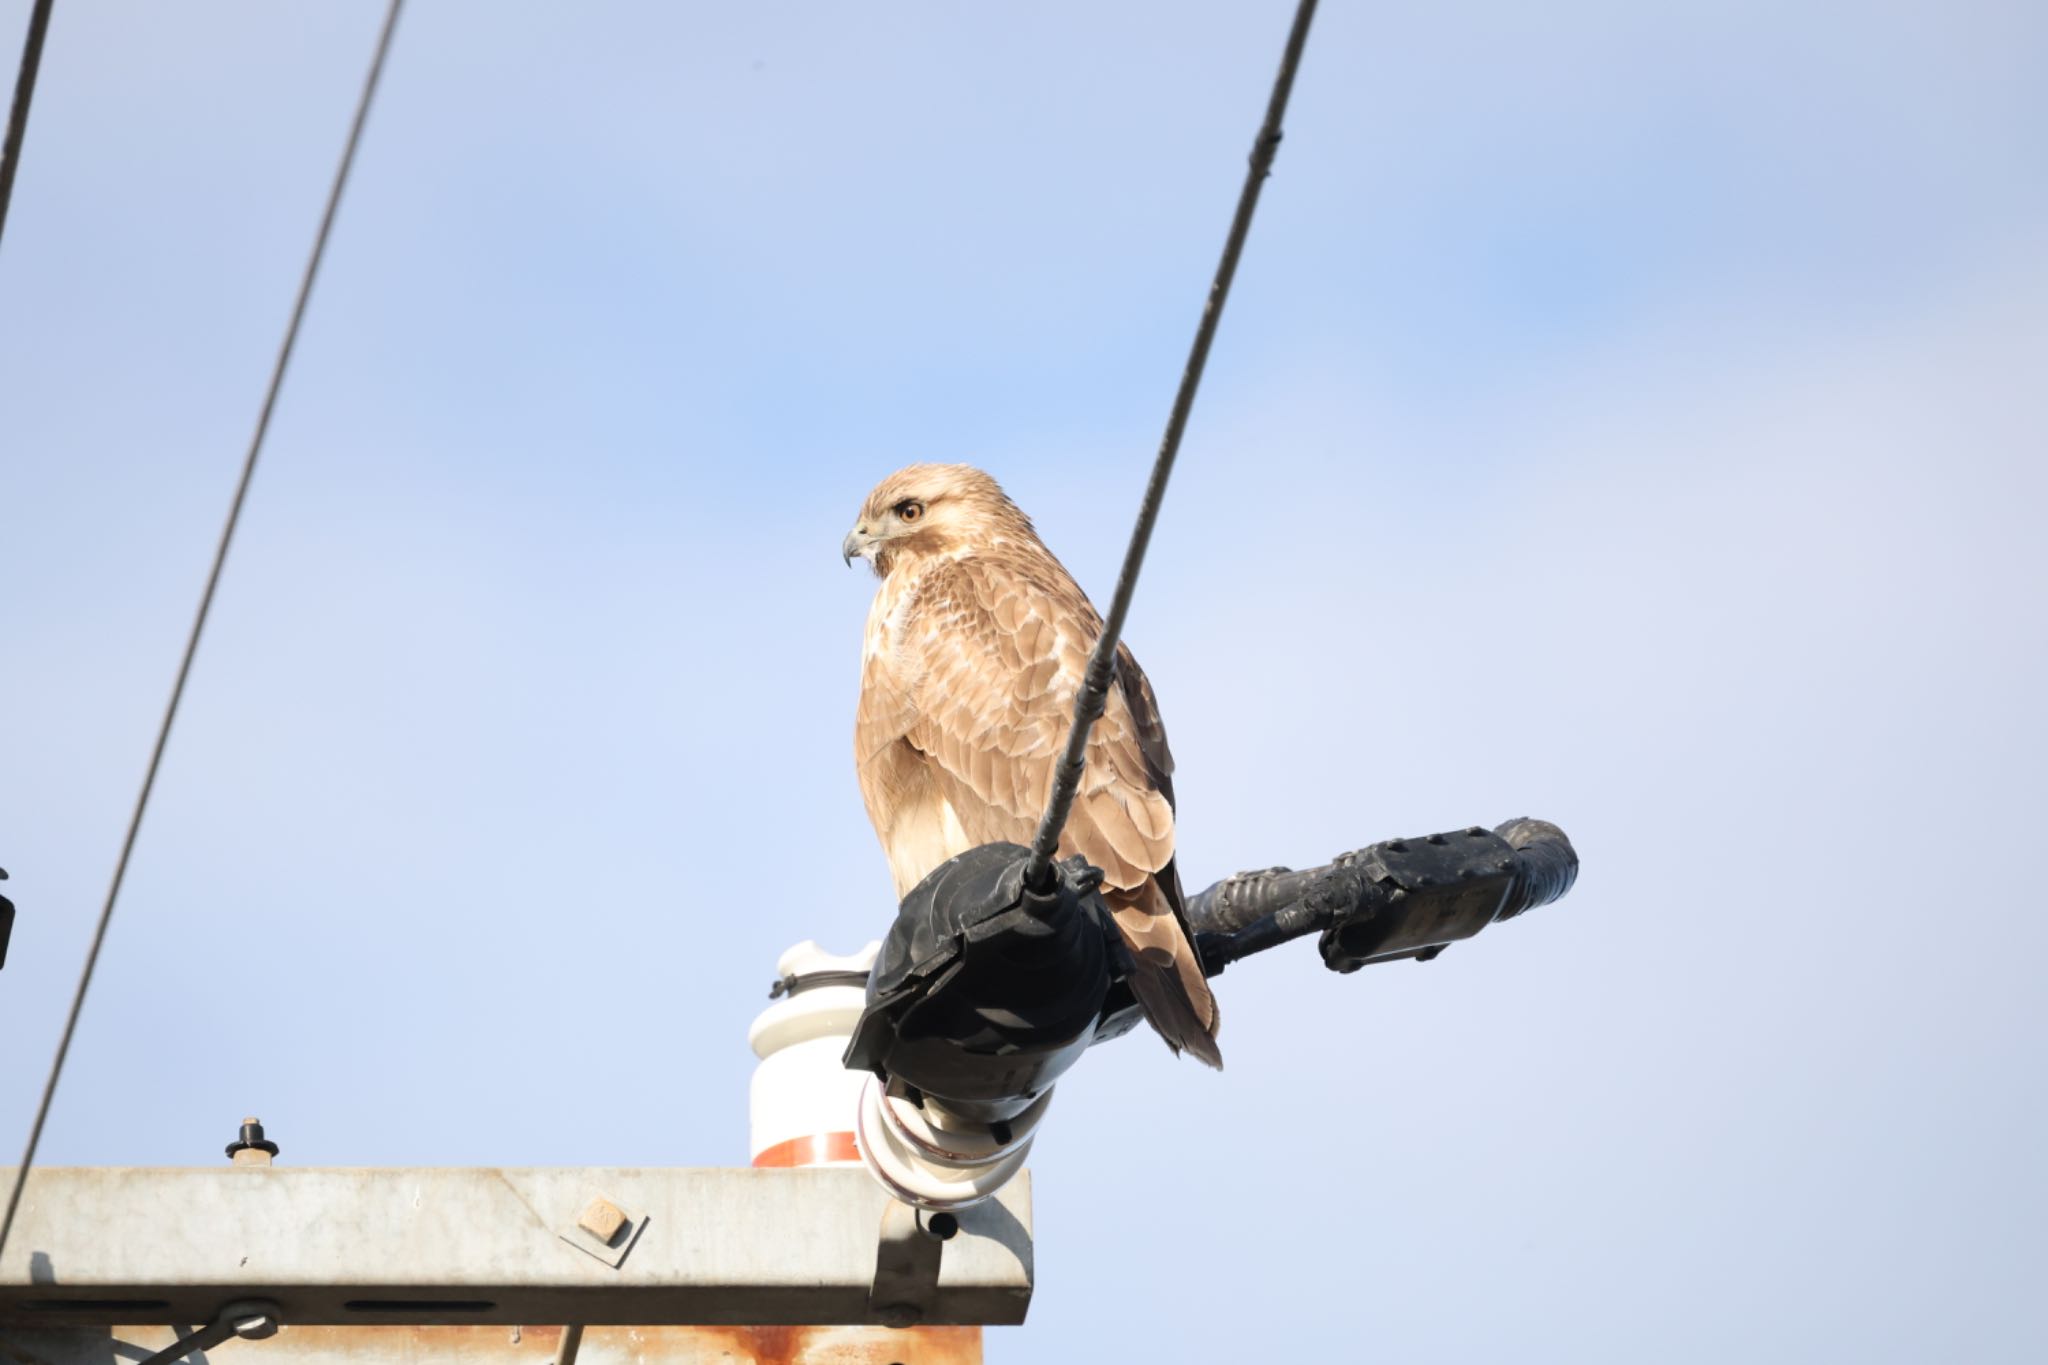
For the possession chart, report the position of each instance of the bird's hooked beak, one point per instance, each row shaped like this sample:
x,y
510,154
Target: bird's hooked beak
x,y
859,544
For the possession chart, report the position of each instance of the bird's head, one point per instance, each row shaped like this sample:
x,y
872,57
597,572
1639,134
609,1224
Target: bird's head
x,y
929,509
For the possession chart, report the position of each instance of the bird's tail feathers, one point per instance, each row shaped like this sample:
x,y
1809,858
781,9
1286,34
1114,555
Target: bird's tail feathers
x,y
1166,972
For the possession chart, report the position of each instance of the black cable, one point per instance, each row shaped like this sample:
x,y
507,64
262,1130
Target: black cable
x,y
17,112
1094,694
220,554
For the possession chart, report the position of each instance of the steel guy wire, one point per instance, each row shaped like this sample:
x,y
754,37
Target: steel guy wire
x,y
17,112
1094,693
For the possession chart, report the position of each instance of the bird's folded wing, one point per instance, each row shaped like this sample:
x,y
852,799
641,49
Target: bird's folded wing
x,y
998,651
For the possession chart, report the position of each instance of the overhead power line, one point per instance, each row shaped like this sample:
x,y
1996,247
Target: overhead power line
x,y
17,112
220,555
1094,692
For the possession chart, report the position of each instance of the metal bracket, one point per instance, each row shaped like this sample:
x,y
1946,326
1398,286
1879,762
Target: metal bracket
x,y
907,1259
250,1319
453,1246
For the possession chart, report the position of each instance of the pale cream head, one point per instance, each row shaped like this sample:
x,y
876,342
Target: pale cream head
x,y
929,509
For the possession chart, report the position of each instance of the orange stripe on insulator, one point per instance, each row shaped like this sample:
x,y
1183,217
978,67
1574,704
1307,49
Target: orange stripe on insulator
x,y
813,1150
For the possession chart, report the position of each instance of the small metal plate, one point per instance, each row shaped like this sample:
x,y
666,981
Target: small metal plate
x,y
612,1253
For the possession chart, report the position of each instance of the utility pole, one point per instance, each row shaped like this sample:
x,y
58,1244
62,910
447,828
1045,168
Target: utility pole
x,y
802,1257
885,1217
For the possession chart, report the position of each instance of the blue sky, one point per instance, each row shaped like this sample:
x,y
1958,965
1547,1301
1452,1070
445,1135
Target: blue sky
x,y
1628,416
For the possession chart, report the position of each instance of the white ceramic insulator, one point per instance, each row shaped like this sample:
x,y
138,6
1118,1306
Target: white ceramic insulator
x,y
802,1100
935,1160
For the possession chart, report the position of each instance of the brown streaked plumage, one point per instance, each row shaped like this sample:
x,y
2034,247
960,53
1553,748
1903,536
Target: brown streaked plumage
x,y
976,646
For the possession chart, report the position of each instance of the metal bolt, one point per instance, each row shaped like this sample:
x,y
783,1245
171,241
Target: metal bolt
x,y
250,1319
602,1219
251,1148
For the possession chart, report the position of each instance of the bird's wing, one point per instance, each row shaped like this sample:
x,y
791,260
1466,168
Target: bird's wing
x,y
1151,731
1154,916
1000,649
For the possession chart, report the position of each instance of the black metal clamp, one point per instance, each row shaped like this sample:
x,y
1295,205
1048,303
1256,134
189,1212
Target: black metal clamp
x,y
1401,898
250,1319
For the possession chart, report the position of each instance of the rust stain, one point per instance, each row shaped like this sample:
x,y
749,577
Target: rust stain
x,y
835,1345
494,1344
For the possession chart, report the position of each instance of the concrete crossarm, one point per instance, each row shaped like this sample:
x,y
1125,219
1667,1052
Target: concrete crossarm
x,y
447,1245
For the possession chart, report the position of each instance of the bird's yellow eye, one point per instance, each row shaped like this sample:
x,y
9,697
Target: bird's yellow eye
x,y
910,510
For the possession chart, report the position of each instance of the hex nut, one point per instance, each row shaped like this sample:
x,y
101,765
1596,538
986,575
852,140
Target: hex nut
x,y
602,1219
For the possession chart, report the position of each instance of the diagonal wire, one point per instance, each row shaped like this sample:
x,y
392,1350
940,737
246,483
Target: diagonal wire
x,y
17,112
1094,694
220,554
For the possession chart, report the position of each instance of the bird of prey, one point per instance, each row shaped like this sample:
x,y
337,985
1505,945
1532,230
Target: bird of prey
x,y
975,649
